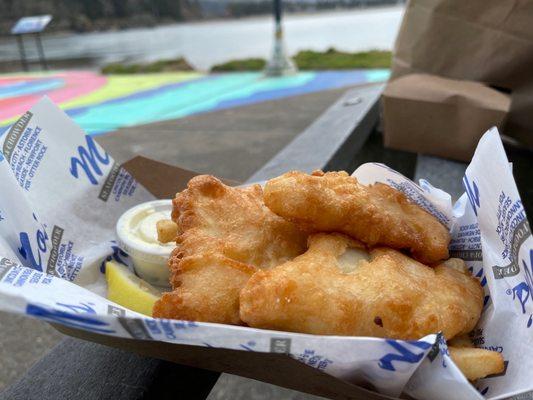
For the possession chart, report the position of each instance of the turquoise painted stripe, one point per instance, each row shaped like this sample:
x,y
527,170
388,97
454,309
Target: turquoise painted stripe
x,y
163,105
260,84
377,75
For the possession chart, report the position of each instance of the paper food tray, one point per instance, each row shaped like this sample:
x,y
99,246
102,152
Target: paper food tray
x,y
62,195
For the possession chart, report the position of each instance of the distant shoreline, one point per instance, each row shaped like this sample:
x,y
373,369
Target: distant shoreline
x,y
288,15
207,43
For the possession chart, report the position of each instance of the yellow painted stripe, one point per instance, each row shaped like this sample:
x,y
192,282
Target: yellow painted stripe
x,y
124,85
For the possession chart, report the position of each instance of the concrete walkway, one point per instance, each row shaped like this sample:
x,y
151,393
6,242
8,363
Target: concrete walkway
x,y
232,144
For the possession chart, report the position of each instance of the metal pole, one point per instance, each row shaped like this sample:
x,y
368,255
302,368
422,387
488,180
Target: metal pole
x,y
22,53
279,64
42,59
277,12
277,20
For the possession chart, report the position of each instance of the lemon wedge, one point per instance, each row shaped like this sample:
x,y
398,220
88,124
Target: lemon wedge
x,y
128,290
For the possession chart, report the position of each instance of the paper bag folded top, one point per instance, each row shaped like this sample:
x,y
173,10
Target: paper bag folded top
x,y
437,116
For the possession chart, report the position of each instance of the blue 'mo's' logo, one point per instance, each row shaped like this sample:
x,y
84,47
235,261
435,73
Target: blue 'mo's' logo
x,y
74,320
81,308
523,292
90,161
26,250
472,192
403,354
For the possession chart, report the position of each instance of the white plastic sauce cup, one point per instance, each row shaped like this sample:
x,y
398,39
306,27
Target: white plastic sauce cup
x,y
137,236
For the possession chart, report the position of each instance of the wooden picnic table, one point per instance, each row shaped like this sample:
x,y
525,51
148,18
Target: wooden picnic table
x,y
343,137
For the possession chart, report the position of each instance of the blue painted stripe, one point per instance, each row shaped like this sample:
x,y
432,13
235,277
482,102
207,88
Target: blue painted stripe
x,y
30,87
322,81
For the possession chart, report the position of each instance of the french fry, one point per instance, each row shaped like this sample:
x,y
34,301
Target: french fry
x,y
167,230
476,363
460,341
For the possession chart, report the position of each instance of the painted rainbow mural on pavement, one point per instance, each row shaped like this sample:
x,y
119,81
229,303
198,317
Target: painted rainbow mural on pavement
x,y
103,104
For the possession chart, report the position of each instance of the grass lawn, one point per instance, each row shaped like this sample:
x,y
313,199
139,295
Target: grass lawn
x,y
178,64
315,60
334,59
305,60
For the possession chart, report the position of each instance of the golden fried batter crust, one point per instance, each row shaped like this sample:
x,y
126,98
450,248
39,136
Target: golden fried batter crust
x,y
225,235
328,291
208,290
375,214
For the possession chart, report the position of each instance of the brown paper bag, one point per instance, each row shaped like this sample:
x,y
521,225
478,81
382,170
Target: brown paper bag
x,y
442,117
489,41
520,120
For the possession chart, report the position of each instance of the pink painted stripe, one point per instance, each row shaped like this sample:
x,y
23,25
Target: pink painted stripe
x,y
11,79
77,83
8,101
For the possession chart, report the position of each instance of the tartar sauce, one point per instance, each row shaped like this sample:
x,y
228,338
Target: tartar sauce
x,y
137,236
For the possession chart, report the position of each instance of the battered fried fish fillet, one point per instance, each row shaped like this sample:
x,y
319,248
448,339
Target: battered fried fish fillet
x,y
337,288
225,235
375,215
